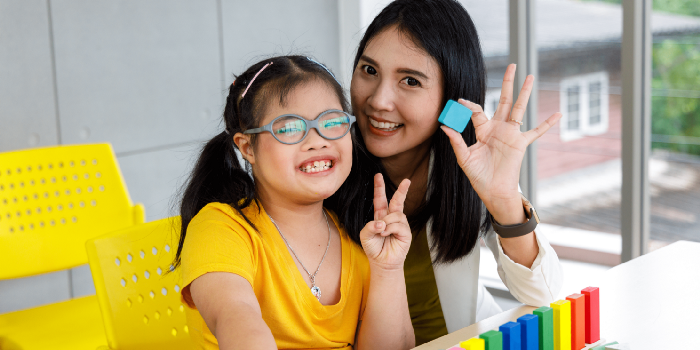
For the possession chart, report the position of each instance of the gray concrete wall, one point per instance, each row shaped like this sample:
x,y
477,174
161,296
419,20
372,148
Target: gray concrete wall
x,y
147,76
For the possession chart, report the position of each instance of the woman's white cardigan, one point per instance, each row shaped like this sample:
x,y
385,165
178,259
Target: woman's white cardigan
x,y
465,300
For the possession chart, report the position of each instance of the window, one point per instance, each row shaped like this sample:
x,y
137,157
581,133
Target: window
x,y
584,101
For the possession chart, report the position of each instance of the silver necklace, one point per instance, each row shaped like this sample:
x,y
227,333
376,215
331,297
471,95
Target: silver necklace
x,y
315,290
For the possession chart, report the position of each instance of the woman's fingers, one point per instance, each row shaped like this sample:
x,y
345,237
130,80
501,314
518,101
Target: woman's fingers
x,y
399,197
380,204
503,109
535,133
478,115
461,149
521,104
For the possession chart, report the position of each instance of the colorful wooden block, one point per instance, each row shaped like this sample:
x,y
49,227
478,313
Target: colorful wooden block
x,y
473,344
493,340
578,321
455,348
455,116
592,314
562,324
529,332
511,336
545,316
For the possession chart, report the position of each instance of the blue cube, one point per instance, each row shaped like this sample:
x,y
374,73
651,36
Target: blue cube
x,y
529,332
455,116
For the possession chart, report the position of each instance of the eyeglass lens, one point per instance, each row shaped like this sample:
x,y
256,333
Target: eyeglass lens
x,y
291,129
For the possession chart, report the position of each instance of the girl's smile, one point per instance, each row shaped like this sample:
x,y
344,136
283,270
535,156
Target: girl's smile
x,y
320,165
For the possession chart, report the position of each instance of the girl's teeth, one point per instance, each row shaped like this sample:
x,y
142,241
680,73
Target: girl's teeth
x,y
317,166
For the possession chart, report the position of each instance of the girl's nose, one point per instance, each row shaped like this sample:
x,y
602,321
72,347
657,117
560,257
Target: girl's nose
x,y
314,141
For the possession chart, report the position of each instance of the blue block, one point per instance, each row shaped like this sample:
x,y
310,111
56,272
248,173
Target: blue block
x,y
455,116
529,332
511,336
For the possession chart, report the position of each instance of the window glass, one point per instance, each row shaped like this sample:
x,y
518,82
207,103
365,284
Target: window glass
x,y
674,164
579,165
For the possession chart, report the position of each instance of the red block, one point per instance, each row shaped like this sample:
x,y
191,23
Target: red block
x,y
592,314
578,321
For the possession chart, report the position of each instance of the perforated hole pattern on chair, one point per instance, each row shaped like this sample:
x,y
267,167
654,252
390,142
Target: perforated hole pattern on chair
x,y
52,200
130,268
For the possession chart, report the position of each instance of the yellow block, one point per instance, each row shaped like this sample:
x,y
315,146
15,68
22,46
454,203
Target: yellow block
x,y
562,324
473,344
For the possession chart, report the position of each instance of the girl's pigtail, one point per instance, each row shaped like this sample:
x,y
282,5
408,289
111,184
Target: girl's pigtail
x,y
217,176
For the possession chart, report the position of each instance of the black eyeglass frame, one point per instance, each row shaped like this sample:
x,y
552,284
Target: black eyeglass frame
x,y
310,124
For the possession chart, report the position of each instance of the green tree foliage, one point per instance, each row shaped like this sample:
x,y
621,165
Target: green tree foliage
x,y
676,94
675,83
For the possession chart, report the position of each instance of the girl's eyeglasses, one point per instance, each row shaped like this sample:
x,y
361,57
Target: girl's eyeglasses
x,y
291,128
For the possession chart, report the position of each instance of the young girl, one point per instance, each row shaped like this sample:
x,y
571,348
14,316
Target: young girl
x,y
264,265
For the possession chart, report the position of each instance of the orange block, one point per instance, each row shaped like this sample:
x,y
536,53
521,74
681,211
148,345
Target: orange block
x,y
578,321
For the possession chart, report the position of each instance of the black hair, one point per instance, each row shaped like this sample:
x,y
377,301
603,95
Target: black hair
x,y
444,30
218,176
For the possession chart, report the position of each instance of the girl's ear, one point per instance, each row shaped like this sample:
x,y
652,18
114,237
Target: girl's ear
x,y
242,141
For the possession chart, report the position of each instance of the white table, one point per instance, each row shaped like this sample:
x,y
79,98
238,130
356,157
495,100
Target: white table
x,y
651,302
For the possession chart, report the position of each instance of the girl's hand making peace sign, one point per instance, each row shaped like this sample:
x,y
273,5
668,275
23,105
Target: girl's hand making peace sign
x,y
386,239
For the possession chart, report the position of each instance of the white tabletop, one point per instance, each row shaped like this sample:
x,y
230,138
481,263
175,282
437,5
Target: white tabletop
x,y
651,302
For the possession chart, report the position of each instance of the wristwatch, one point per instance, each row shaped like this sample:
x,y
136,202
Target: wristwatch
x,y
517,230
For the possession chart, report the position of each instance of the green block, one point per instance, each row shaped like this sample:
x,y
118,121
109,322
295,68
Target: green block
x,y
545,315
602,347
493,339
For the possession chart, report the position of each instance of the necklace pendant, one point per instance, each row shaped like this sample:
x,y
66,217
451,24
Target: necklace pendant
x,y
316,291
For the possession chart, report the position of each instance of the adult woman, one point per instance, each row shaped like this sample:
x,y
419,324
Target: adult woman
x,y
414,56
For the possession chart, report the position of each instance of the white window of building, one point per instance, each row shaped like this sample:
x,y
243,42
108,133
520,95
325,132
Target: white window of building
x,y
584,104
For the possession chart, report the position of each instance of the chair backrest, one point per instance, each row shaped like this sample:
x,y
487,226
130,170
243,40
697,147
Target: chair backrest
x,y
52,200
140,302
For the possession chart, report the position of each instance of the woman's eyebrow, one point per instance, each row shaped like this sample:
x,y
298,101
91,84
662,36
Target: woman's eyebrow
x,y
409,71
413,72
369,60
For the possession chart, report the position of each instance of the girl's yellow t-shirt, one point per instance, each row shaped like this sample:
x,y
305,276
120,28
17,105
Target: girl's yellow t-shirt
x,y
219,240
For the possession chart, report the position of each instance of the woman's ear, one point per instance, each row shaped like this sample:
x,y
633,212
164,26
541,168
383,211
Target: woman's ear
x,y
244,145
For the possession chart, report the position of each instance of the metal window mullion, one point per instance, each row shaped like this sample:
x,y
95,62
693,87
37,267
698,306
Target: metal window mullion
x,y
523,52
636,126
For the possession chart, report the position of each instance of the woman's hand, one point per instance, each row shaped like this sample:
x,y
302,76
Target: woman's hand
x,y
386,240
492,164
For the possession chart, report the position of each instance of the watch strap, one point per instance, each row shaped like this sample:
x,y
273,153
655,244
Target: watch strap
x,y
517,230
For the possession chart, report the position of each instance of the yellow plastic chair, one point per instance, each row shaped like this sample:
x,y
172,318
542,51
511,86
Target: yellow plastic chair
x,y
140,300
52,200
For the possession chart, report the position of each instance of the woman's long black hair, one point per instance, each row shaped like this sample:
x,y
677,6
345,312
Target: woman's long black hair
x,y
218,176
445,31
